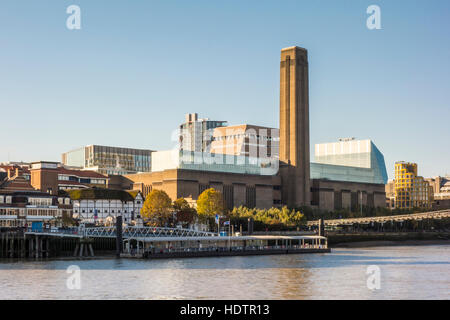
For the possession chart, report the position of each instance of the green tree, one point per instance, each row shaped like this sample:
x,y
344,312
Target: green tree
x,y
273,218
157,208
185,213
209,203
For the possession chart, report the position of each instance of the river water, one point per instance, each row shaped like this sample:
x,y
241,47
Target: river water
x,y
405,272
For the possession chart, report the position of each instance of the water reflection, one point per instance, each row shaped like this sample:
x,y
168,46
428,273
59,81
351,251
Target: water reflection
x,y
406,272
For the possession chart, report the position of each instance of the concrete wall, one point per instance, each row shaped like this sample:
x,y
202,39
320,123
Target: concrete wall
x,y
324,193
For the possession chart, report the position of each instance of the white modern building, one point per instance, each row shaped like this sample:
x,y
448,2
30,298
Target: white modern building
x,y
349,160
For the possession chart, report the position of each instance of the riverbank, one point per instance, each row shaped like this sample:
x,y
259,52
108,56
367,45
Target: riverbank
x,y
372,239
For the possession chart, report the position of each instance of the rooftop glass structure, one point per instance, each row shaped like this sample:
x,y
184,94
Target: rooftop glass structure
x,y
109,160
203,161
349,160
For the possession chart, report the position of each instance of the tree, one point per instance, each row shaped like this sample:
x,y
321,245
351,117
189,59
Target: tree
x,y
185,213
283,218
209,203
157,208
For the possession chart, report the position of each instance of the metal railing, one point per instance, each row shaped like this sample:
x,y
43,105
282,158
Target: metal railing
x,y
127,232
145,232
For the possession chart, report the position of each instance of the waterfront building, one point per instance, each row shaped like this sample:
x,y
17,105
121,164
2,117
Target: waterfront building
x,y
441,192
264,181
196,134
411,190
109,160
22,208
250,190
51,177
441,187
96,205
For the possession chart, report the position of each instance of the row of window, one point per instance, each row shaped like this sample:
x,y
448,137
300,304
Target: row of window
x,y
98,211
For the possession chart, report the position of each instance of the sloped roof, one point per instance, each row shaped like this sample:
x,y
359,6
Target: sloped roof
x,y
18,183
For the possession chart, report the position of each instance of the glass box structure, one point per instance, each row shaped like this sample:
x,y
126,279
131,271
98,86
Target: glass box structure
x,y
216,162
109,160
349,160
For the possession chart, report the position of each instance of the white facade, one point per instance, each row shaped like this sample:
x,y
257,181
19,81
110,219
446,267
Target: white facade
x,y
38,208
345,153
106,210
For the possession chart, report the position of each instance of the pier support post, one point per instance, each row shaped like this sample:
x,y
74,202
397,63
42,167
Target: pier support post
x,y
30,247
37,247
118,236
11,248
75,252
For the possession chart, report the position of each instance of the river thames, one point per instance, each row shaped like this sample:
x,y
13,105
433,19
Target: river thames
x,y
406,272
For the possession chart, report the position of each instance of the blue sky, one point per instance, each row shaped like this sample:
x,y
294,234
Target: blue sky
x,y
136,67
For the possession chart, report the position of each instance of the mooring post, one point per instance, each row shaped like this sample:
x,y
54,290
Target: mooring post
x,y
118,236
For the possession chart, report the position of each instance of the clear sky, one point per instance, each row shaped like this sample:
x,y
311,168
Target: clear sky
x,y
136,67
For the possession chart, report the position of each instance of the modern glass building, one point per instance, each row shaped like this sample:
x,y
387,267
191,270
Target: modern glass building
x,y
109,160
349,160
215,162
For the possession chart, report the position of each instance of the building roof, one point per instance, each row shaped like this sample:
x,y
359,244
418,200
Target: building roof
x,y
101,194
16,181
28,193
13,167
81,173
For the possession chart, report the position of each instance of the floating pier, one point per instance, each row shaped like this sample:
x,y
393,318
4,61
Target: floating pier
x,y
214,246
149,242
